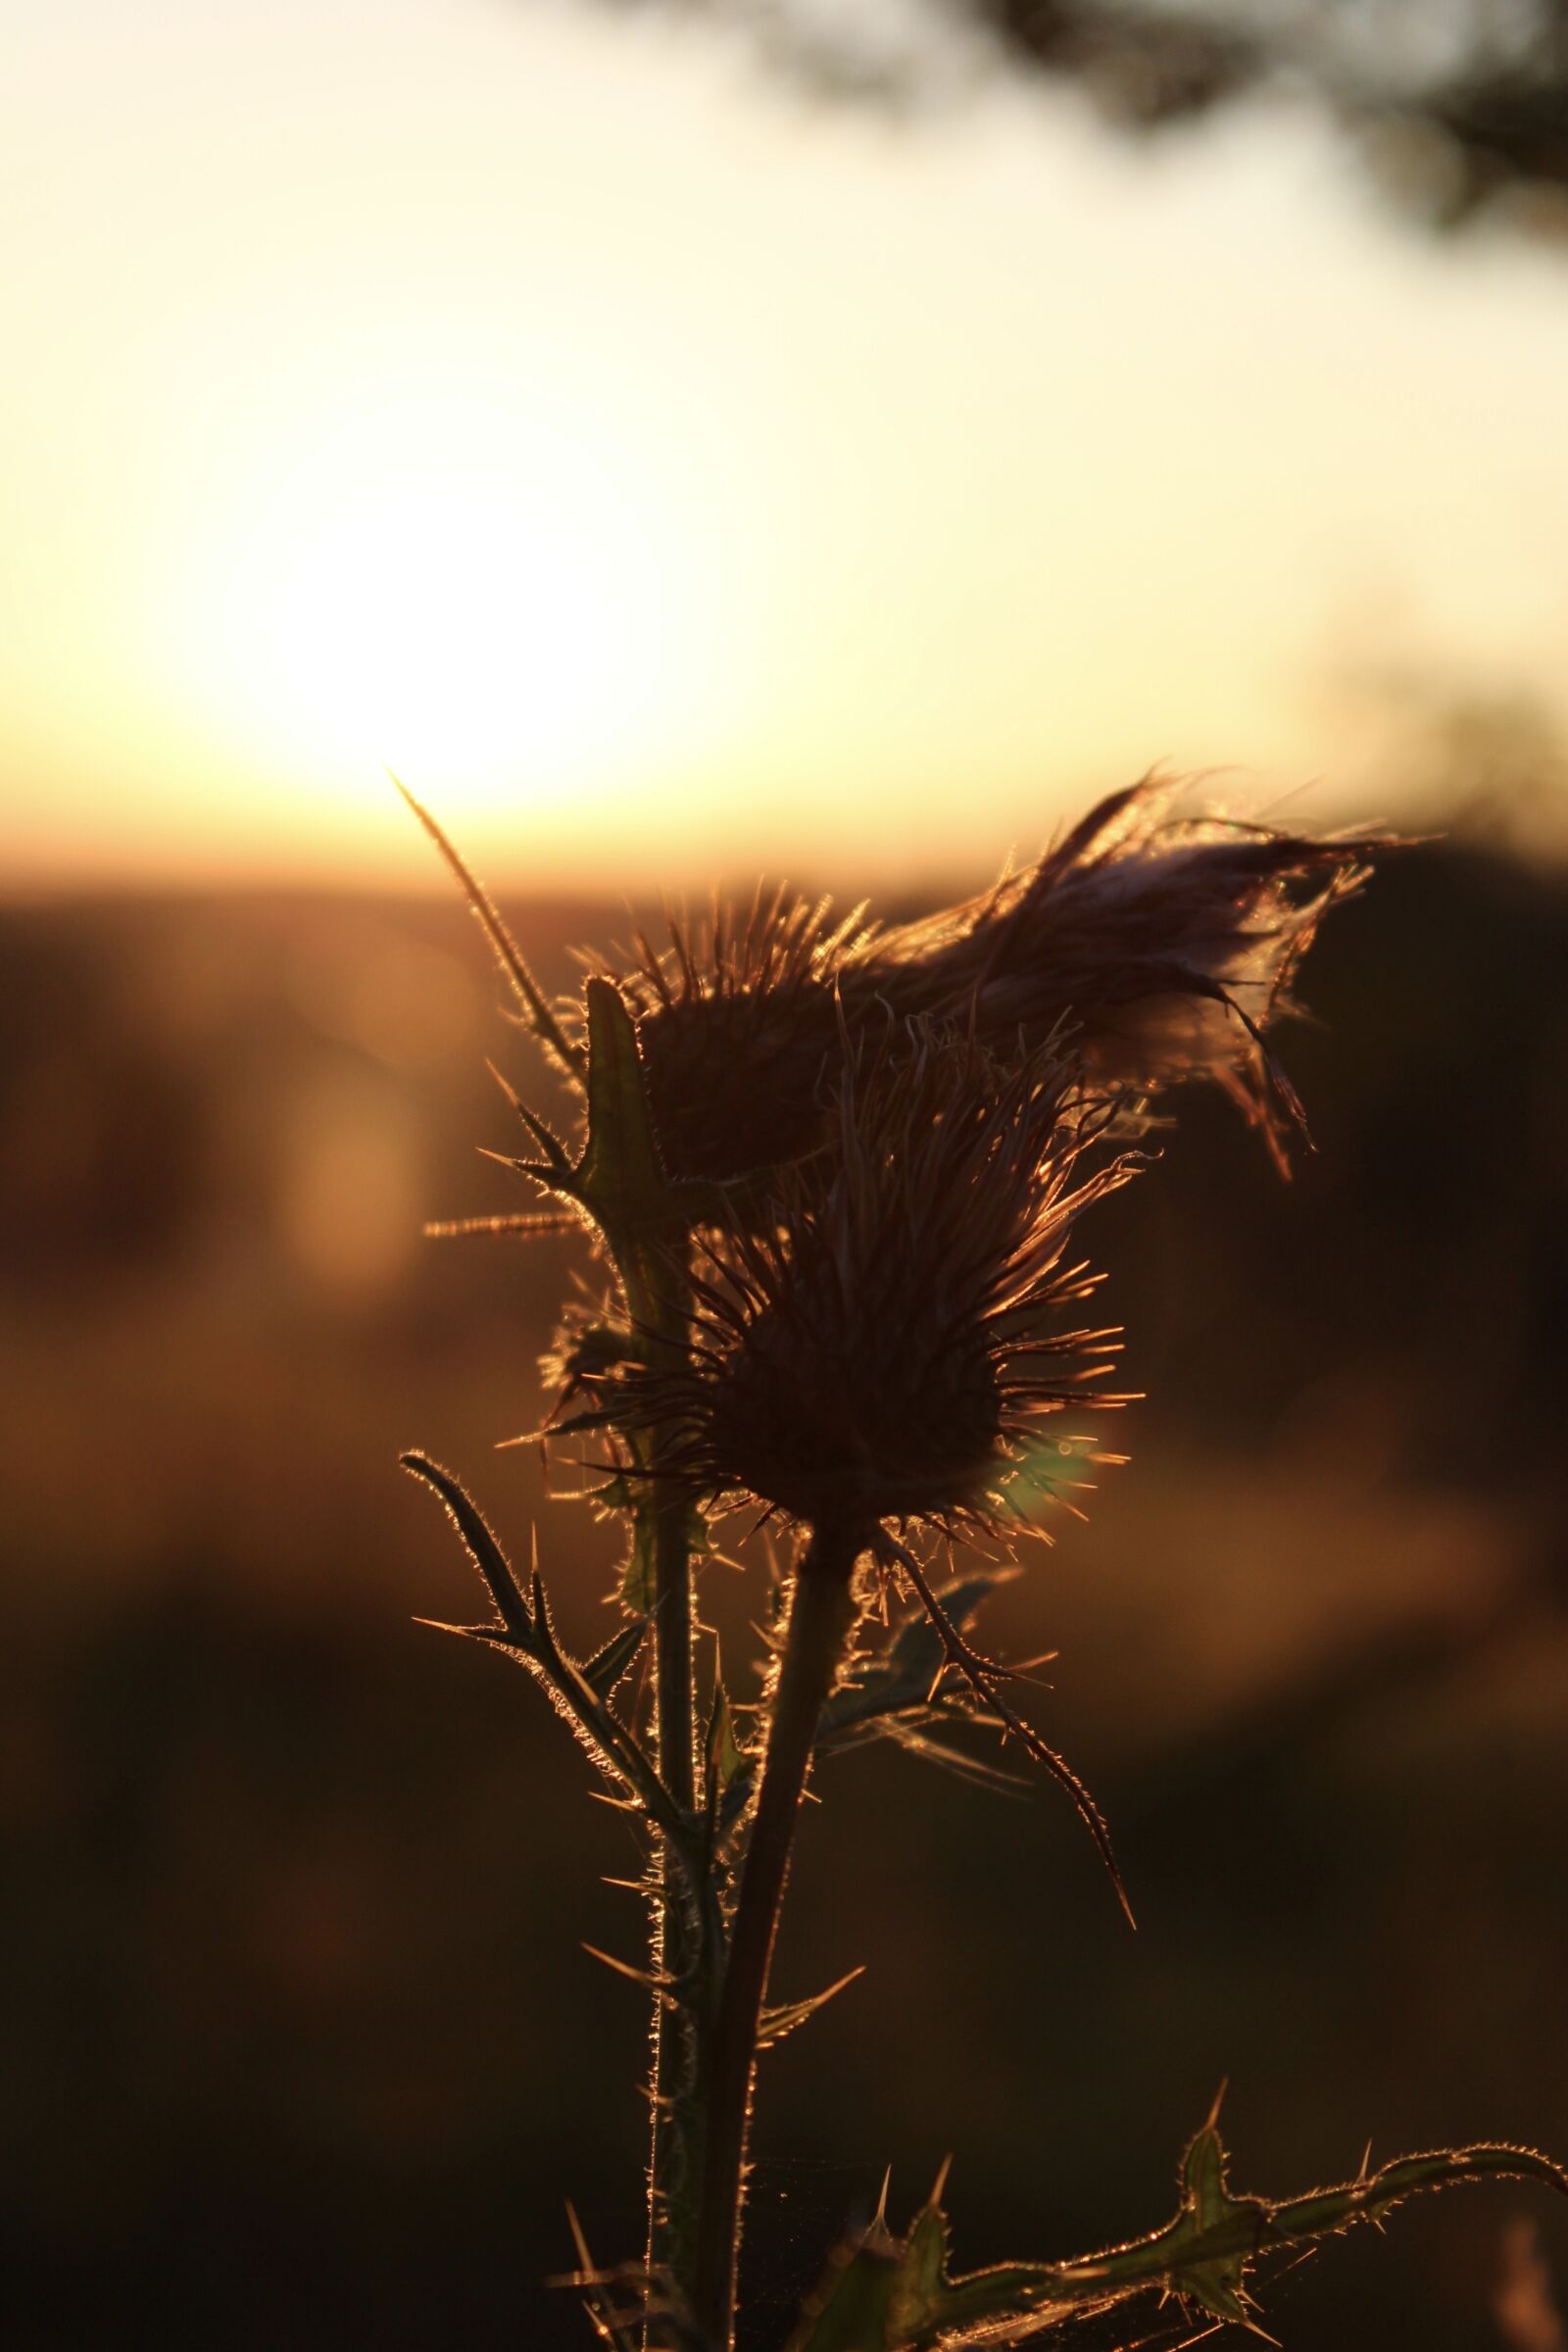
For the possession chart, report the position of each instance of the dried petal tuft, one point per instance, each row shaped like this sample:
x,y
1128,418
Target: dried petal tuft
x,y
1168,942
1160,945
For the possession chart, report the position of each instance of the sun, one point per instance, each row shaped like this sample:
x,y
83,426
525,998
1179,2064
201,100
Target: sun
x,y
457,589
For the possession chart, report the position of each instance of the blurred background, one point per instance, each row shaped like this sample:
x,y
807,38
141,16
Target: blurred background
x,y
688,443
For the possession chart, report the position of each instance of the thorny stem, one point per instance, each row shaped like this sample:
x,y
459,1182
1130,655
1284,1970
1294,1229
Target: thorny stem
x,y
675,1699
675,2159
821,1616
688,1934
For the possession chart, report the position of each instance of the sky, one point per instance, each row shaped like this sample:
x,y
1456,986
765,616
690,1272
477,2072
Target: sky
x,y
669,478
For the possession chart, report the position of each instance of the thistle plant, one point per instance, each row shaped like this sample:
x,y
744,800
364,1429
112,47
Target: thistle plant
x,y
831,1177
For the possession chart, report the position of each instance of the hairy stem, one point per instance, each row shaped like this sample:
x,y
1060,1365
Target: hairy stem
x,y
676,2160
820,1619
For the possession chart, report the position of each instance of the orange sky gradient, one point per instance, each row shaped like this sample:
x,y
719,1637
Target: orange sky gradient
x,y
667,478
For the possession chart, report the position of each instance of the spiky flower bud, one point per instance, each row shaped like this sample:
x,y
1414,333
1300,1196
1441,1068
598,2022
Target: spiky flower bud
x,y
1164,944
885,1344
738,1030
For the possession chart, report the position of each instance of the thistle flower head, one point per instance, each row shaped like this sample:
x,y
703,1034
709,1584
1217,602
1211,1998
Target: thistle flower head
x,y
1159,945
737,1028
885,1344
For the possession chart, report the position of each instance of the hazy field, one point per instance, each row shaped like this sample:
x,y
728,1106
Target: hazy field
x,y
303,2045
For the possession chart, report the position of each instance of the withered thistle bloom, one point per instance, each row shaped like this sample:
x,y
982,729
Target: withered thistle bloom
x,y
1160,945
886,1344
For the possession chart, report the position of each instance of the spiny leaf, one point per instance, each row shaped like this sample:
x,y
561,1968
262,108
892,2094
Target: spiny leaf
x,y
538,1015
482,1546
983,1676
545,1136
1215,2234
917,1740
916,1646
1202,2256
898,1681
539,1608
927,2305
724,1752
638,1589
526,1626
852,2311
639,1582
1332,2209
573,1426
446,1229
493,1636
658,1986
921,2283
603,1670
776,2023
1219,2284
537,1171
620,1175
980,2299
602,2310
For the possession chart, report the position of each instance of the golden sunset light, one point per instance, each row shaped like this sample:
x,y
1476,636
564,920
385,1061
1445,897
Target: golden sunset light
x,y
660,472
457,591
784,923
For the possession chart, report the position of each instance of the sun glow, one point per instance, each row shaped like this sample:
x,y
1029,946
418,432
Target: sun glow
x,y
457,589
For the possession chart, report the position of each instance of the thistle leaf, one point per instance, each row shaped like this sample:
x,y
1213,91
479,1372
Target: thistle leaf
x,y
1202,2256
620,1175
920,2286
639,1587
917,1648
446,1229
724,1752
1369,2197
1218,2284
571,1426
658,1986
899,1678
852,2311
603,1670
776,2023
927,2305
535,1010
492,1637
481,1547
949,1756
620,1178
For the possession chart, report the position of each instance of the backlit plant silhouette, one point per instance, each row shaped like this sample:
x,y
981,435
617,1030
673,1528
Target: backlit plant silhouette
x,y
834,1177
